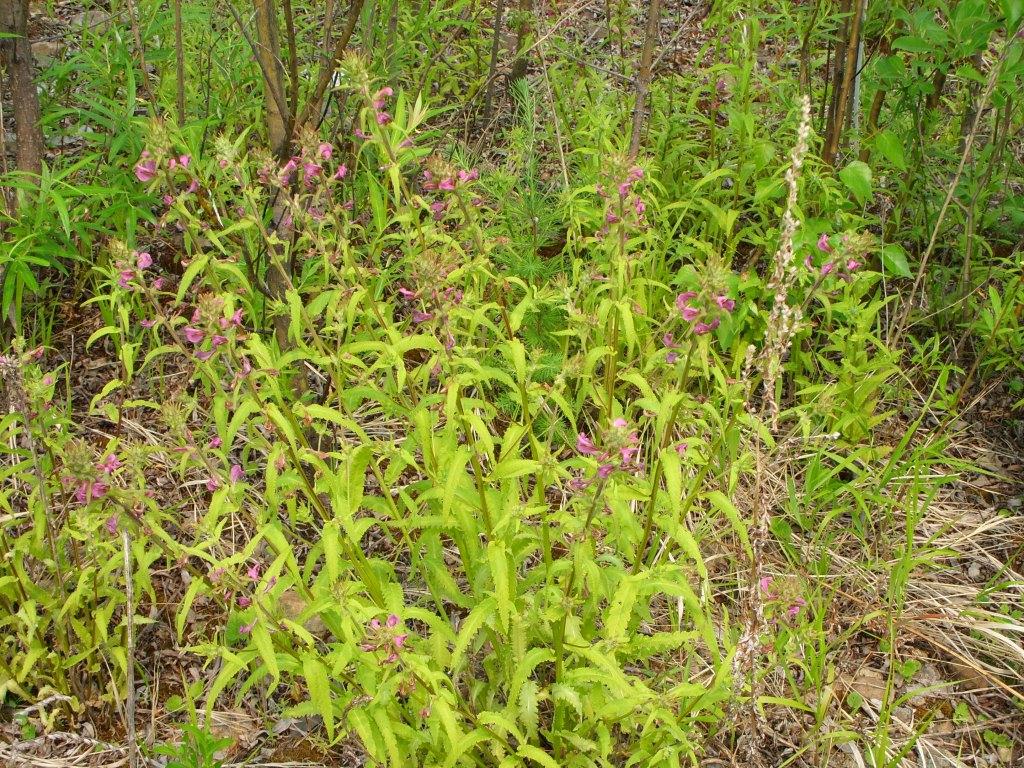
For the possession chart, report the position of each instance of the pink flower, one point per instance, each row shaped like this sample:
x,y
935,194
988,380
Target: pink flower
x,y
635,173
385,93
683,299
311,171
215,442
671,357
109,464
237,473
168,200
681,448
194,335
112,525
144,260
471,175
244,602
342,172
254,572
726,303
640,206
605,470
807,261
245,629
823,244
421,317
624,188
375,625
392,621
288,169
204,354
90,491
794,609
124,278
669,341
212,484
326,150
438,207
620,423
765,583
145,169
399,640
217,340
690,313
827,268
158,284
147,323
383,118
585,446
701,328
852,265
446,185
184,160
360,134
406,294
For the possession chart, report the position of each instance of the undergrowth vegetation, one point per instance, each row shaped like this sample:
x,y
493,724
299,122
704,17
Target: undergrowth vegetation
x,y
464,435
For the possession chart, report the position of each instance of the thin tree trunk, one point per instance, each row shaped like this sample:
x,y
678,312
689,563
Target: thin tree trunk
x,y
841,96
522,32
643,81
179,63
269,53
16,60
492,69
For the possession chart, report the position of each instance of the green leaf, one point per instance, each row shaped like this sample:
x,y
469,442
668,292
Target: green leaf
x,y
891,148
857,178
185,606
894,260
497,557
319,690
620,609
261,639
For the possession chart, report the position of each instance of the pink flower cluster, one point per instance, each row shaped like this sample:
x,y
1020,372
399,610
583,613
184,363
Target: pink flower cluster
x,y
448,184
96,488
148,166
704,316
629,202
380,103
195,334
829,266
793,604
431,303
385,637
619,450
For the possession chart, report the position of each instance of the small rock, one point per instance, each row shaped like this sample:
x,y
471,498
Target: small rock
x,y
45,52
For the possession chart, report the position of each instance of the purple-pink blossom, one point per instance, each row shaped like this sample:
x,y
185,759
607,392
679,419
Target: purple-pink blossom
x,y
194,335
144,260
112,525
725,303
823,244
145,169
326,150
585,446
236,473
109,464
420,316
90,491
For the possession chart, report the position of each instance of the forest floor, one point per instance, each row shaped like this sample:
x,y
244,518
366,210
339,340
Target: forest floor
x,y
956,680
